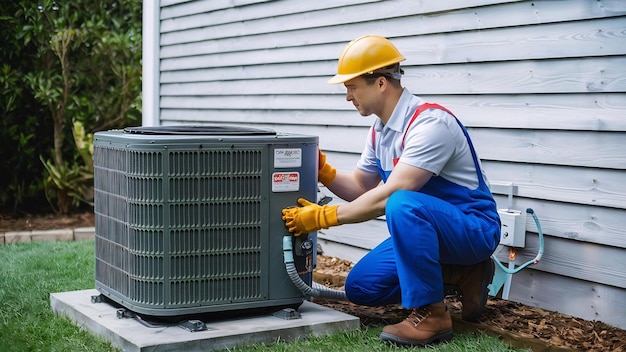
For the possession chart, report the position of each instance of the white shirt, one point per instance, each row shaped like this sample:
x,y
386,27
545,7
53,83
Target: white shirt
x,y
434,142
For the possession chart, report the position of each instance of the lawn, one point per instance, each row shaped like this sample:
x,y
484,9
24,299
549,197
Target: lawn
x,y
31,271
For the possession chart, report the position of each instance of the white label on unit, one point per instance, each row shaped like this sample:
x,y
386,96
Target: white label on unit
x,y
288,157
286,181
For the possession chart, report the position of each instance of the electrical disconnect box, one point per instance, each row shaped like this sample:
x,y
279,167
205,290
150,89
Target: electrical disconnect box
x,y
513,228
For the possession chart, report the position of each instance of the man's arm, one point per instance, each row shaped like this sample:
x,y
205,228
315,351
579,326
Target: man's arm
x,y
366,206
371,204
350,186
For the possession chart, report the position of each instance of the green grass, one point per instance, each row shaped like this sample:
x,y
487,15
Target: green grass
x,y
29,272
367,339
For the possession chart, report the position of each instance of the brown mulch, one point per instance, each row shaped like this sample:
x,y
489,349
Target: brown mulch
x,y
518,324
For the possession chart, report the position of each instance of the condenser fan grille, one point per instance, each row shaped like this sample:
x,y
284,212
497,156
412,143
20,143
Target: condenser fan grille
x,y
211,213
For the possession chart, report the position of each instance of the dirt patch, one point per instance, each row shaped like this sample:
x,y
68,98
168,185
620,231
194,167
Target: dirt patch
x,y
539,329
46,222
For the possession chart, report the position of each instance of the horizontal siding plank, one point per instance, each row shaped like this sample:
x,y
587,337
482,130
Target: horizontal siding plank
x,y
587,300
185,8
545,76
591,112
320,118
214,13
343,162
296,85
408,18
166,3
364,236
574,222
264,56
262,19
575,148
602,187
340,250
207,73
584,111
247,102
544,41
593,75
569,39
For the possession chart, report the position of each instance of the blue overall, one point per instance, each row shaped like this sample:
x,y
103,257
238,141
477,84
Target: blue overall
x,y
442,223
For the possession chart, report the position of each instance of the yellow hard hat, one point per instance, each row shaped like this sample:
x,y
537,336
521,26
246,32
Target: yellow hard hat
x,y
365,55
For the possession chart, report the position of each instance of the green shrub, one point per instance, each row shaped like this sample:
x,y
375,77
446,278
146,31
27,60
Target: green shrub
x,y
65,62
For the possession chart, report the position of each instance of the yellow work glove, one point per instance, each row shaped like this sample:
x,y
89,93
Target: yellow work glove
x,y
326,173
310,217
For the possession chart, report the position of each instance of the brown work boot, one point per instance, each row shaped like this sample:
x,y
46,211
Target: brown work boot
x,y
426,325
470,283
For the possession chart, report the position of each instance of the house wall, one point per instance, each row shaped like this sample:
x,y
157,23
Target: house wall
x,y
540,85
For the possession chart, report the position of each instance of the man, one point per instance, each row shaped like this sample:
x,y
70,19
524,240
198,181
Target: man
x,y
441,216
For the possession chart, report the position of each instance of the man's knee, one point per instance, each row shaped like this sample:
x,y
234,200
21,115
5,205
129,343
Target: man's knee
x,y
357,293
364,292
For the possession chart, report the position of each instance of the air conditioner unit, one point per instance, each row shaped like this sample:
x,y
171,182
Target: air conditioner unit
x,y
188,218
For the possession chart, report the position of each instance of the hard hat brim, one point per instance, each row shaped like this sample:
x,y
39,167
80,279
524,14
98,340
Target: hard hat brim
x,y
337,79
341,78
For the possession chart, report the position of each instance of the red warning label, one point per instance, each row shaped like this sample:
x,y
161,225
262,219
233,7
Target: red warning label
x,y
285,181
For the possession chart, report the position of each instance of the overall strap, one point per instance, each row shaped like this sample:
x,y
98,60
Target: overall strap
x,y
427,106
418,111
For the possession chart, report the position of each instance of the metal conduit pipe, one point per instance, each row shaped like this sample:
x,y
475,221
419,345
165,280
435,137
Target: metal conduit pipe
x,y
316,289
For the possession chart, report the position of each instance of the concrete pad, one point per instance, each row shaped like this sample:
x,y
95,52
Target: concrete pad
x,y
130,335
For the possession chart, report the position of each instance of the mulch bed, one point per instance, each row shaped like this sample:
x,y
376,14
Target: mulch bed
x,y
517,324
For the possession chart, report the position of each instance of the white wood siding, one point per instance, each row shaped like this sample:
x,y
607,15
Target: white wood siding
x,y
541,86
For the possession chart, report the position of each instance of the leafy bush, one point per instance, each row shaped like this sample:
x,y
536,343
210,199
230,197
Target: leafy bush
x,y
76,179
65,62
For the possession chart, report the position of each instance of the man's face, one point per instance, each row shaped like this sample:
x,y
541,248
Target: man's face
x,y
365,97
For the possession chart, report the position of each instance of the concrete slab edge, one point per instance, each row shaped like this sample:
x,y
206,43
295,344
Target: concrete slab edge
x,y
77,234
100,319
86,323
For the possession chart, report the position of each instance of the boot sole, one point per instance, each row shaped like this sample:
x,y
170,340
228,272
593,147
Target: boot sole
x,y
444,336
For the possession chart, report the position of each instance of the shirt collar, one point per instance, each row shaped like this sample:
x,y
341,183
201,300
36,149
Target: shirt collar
x,y
403,110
